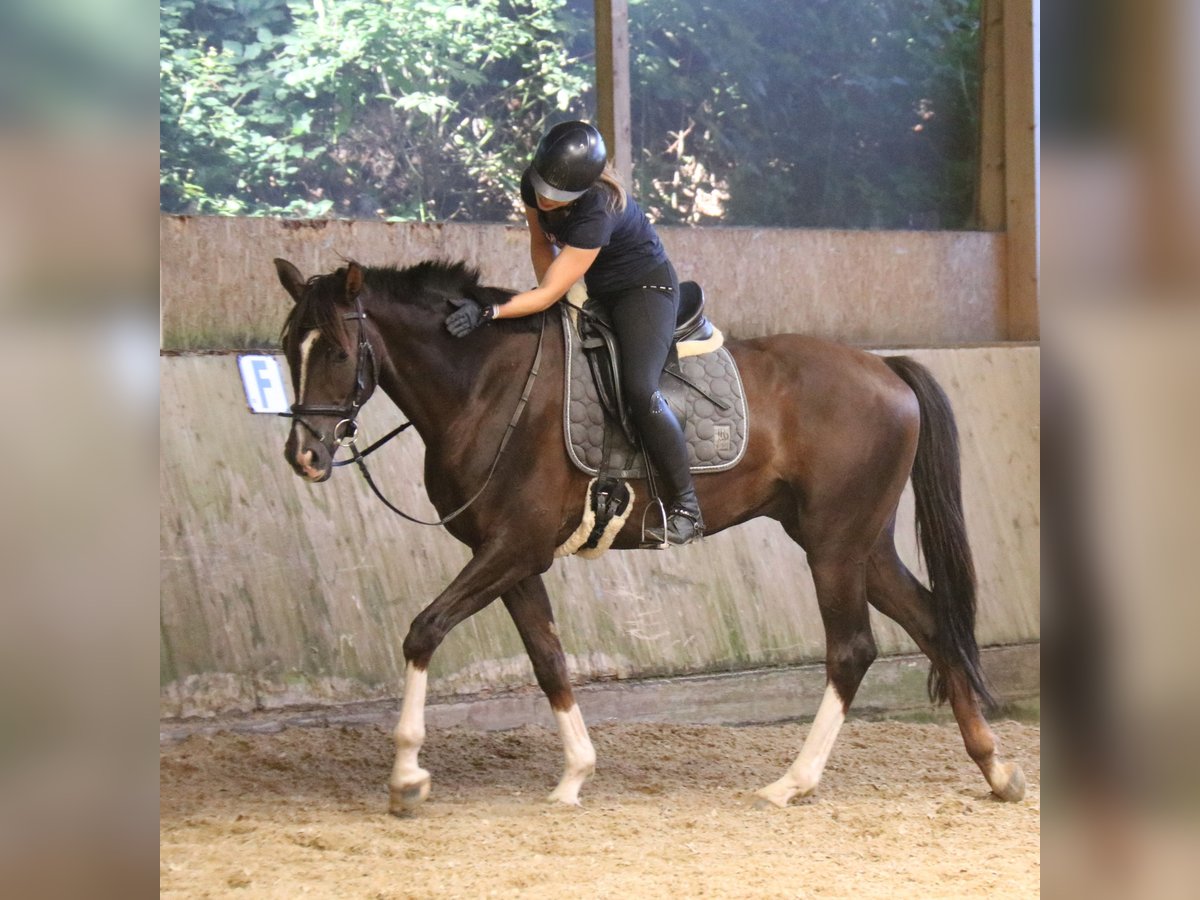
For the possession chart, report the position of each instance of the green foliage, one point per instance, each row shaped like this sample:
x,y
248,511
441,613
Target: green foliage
x,y
409,109
812,113
771,112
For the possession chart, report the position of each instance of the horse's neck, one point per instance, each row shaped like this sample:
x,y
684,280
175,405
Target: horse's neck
x,y
456,401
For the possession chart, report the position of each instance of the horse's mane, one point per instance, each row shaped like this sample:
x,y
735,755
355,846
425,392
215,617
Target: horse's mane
x,y
431,283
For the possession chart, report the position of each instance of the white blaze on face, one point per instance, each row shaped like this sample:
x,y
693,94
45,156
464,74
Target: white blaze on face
x,y
305,351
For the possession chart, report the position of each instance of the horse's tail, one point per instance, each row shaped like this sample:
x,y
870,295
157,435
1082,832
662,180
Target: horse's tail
x,y
942,530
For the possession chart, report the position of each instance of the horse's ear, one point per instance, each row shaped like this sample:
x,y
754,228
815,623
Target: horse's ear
x,y
354,280
290,278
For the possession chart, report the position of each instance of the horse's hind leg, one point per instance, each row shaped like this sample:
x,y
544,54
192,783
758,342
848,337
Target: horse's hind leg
x,y
529,607
895,592
850,650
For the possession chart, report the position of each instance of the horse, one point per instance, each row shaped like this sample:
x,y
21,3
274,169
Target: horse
x,y
835,435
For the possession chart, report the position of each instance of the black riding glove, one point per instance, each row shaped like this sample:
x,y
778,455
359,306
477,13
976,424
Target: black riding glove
x,y
467,316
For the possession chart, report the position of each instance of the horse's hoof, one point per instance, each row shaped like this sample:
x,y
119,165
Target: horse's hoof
x,y
1013,788
406,798
766,798
562,802
566,794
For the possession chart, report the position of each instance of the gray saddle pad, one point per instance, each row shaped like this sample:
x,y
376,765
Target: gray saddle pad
x,y
716,437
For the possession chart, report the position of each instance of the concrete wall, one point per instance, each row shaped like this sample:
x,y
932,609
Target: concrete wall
x,y
878,288
276,592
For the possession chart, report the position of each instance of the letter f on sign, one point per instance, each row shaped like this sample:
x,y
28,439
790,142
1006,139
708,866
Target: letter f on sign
x,y
263,384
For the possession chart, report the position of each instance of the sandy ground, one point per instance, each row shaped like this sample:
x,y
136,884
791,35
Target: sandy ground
x,y
902,811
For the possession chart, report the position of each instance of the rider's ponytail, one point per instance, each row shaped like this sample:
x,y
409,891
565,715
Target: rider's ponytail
x,y
611,182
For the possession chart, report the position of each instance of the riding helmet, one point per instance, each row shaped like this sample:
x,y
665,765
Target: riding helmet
x,y
568,161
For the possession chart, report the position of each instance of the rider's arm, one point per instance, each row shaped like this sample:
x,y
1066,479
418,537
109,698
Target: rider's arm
x,y
541,249
567,268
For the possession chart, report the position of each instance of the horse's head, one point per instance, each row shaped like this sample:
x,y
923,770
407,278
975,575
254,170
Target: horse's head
x,y
334,370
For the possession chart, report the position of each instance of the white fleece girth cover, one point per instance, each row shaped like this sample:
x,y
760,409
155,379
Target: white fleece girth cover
x,y
579,537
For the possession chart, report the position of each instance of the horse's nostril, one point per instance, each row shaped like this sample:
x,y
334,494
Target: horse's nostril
x,y
310,463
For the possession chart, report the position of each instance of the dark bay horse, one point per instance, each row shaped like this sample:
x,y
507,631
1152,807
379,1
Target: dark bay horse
x,y
835,435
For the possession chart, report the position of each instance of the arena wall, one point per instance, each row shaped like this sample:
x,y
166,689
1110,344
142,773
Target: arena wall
x,y
877,288
277,593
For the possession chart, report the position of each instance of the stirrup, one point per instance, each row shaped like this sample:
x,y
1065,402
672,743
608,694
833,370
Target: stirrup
x,y
662,539
647,533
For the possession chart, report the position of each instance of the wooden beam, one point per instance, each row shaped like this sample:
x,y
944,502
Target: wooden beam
x,y
612,83
1021,166
990,191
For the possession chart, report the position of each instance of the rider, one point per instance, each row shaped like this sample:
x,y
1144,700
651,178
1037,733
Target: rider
x,y
583,223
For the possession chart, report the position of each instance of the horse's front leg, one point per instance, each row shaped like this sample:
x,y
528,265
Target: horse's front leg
x,y
409,785
490,572
529,606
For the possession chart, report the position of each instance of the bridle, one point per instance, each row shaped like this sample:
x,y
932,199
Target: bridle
x,y
345,432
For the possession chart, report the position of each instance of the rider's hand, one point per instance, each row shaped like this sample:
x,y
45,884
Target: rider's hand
x,y
467,316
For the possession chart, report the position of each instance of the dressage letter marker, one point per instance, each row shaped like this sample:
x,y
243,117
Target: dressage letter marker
x,y
263,382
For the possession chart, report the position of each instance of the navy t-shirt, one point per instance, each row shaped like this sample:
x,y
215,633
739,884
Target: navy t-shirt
x,y
629,245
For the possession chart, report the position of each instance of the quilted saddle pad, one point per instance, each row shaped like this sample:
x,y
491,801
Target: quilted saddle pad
x,y
716,437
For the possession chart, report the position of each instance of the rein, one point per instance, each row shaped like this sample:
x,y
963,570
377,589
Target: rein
x,y
351,408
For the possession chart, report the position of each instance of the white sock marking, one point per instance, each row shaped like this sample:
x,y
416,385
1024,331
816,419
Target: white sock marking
x,y
804,774
579,753
410,733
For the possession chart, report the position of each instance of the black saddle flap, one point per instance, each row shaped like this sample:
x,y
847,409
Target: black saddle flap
x,y
600,349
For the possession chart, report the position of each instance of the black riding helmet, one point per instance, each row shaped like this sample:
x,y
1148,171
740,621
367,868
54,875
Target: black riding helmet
x,y
568,161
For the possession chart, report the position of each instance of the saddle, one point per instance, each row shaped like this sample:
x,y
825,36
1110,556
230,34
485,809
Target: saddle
x,y
599,342
701,384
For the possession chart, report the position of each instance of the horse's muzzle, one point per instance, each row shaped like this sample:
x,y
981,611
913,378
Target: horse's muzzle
x,y
309,459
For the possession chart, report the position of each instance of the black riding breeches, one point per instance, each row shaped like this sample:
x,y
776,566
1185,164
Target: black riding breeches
x,y
644,319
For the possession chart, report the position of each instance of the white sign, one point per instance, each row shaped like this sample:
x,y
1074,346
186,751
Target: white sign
x,y
265,391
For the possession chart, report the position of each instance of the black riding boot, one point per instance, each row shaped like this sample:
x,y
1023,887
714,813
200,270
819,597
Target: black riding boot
x,y
662,439
684,522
